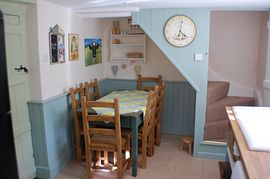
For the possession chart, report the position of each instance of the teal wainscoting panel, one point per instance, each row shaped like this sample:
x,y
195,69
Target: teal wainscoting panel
x,y
179,109
38,139
179,104
119,84
102,87
53,130
52,134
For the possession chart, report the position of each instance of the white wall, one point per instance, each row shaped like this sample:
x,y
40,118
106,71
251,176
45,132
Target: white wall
x,y
235,46
32,51
262,58
156,62
266,83
262,51
59,77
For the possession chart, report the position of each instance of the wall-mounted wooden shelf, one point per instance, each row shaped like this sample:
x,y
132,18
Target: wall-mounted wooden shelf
x,y
127,44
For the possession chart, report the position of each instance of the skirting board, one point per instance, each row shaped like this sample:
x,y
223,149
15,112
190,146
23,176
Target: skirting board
x,y
213,156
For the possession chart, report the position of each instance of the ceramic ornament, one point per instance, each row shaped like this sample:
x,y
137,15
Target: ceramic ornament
x,y
114,69
124,66
137,69
132,62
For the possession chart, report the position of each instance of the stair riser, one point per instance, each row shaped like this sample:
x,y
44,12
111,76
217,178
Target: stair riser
x,y
216,111
216,91
216,131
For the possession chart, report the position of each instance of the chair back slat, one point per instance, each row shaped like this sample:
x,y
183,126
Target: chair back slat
x,y
92,90
101,118
142,80
147,88
101,147
101,132
104,104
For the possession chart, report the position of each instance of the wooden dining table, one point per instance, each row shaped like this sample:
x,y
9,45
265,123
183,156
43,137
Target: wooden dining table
x,y
132,106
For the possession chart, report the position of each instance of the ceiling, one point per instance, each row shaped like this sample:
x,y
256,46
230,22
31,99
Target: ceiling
x,y
120,8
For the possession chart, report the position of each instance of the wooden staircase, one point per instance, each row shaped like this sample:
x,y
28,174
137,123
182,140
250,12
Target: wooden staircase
x,y
216,123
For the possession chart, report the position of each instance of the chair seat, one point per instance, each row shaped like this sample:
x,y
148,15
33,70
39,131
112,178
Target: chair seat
x,y
127,133
108,142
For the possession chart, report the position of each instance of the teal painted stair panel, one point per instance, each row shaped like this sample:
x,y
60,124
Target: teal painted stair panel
x,y
183,58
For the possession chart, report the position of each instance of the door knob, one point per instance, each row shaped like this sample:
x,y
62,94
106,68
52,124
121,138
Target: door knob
x,y
21,68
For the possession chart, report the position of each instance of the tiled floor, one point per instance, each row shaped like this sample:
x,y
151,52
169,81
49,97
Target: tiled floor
x,y
167,163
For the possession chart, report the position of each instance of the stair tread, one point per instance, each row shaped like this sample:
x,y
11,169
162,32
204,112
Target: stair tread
x,y
216,111
235,100
216,116
217,122
217,90
221,119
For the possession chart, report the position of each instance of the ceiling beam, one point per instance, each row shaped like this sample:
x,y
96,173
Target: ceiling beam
x,y
105,15
108,10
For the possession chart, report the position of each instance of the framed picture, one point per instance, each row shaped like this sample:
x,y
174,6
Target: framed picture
x,y
73,44
57,45
92,51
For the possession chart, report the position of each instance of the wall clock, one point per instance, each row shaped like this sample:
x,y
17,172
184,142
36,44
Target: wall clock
x,y
180,30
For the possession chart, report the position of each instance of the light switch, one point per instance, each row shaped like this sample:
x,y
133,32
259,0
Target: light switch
x,y
198,57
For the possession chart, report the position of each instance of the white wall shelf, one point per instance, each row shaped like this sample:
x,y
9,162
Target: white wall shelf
x,y
128,43
116,60
118,45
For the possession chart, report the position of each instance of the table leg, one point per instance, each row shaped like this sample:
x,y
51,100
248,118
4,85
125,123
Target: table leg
x,y
134,152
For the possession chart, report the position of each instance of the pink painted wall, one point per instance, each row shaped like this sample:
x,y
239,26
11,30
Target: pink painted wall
x,y
237,46
156,62
262,51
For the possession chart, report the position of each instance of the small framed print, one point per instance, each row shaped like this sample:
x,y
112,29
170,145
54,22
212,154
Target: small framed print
x,y
93,51
57,45
73,44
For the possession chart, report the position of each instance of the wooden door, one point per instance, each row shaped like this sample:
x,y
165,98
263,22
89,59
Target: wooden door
x,y
15,37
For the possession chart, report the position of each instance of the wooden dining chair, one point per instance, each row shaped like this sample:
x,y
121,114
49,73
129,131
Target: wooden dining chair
x,y
92,94
92,90
146,132
159,108
103,139
148,83
75,95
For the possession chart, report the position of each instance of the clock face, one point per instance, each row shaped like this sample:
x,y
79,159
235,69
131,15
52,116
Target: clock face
x,y
180,30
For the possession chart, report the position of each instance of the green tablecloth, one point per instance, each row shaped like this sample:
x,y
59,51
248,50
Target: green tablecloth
x,y
129,101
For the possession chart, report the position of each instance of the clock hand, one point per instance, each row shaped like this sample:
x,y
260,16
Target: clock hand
x,y
180,28
183,34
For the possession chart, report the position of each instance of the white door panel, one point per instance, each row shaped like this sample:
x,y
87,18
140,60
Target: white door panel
x,y
14,17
